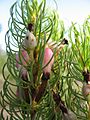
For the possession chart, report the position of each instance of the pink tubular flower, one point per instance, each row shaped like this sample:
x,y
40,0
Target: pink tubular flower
x,y
23,59
48,61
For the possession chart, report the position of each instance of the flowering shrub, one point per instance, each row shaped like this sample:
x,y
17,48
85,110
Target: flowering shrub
x,y
50,73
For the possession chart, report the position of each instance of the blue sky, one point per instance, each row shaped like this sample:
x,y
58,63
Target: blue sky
x,y
4,17
69,10
73,10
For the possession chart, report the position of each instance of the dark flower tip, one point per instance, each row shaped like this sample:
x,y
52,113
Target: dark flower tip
x,y
64,41
86,75
46,76
30,27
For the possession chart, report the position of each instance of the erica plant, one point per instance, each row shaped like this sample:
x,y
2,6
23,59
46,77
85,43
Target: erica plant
x,y
48,76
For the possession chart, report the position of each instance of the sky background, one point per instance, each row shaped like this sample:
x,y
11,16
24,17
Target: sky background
x,y
69,10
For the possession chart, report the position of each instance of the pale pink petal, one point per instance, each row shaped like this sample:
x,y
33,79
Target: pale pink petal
x,y
23,59
47,57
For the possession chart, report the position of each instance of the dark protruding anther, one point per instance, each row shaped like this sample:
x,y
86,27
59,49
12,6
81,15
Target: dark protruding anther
x,y
30,27
45,76
65,41
86,76
24,77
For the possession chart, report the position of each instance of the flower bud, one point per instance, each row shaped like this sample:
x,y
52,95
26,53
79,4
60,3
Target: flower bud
x,y
22,59
86,91
30,41
48,61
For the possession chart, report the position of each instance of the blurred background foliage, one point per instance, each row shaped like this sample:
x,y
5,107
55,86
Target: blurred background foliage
x,y
67,79
3,58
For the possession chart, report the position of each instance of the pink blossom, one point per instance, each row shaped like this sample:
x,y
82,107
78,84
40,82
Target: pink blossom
x,y
21,62
48,57
23,59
